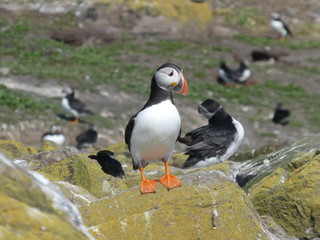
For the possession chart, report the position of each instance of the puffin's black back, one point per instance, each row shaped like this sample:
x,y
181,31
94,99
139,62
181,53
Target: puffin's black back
x,y
212,140
90,136
281,115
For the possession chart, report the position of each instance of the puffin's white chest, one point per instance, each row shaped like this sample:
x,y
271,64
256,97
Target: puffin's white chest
x,y
278,26
245,75
223,75
67,107
58,139
155,132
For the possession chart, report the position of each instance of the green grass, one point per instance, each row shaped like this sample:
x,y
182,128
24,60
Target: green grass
x,y
288,43
26,51
16,100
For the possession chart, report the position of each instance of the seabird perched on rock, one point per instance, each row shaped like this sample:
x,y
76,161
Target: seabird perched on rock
x,y
215,142
108,163
87,138
152,132
74,105
279,25
231,77
55,135
281,115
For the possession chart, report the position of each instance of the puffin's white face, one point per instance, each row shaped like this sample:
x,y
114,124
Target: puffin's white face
x,y
67,90
55,129
276,15
170,79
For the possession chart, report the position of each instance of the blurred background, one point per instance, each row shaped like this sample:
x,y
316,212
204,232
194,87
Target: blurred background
x,y
108,50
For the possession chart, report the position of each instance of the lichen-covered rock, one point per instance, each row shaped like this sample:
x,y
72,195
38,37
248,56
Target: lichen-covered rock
x,y
49,146
179,10
77,195
15,149
33,208
207,206
44,159
291,193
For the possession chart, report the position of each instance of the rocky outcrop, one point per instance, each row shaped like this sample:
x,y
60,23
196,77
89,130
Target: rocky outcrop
x,y
282,189
291,193
33,208
207,206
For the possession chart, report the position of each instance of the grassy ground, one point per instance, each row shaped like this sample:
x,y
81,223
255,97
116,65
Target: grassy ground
x,y
28,49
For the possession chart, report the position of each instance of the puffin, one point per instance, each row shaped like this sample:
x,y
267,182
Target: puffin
x,y
74,105
55,135
152,132
215,142
231,77
281,115
87,138
108,163
279,25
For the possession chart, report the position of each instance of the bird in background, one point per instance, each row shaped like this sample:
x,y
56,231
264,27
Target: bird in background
x,y
152,132
215,142
231,77
74,105
281,115
87,138
279,25
55,135
108,163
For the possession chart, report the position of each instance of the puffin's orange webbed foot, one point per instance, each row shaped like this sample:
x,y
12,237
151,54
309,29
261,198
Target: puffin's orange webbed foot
x,y
170,181
148,186
75,121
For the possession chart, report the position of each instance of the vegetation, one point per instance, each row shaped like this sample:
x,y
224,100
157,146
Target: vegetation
x,y
124,63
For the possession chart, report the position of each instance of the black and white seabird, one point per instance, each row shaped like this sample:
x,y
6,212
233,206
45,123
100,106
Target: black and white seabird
x,y
215,142
108,163
281,115
279,25
231,77
74,105
152,132
55,135
87,138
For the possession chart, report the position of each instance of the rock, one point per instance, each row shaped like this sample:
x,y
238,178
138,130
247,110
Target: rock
x,y
249,172
15,149
290,194
33,208
207,206
77,195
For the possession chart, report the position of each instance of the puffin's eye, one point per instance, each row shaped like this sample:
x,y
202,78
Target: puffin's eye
x,y
170,74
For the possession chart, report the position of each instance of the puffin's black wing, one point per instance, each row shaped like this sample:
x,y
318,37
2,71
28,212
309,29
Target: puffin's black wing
x,y
79,106
192,137
128,133
108,163
286,27
211,141
129,128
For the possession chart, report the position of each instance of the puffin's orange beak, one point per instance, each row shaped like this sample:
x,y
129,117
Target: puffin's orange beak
x,y
185,88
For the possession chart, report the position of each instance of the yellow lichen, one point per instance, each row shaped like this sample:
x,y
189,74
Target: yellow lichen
x,y
14,149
